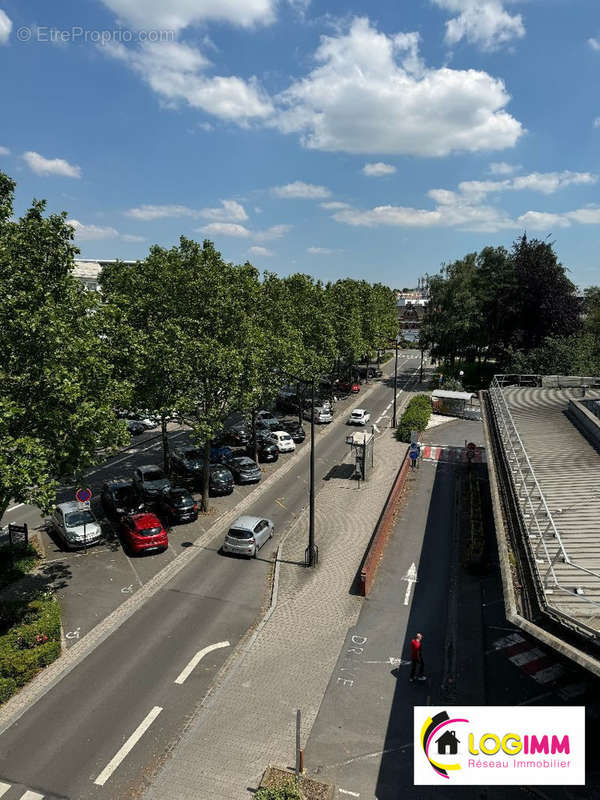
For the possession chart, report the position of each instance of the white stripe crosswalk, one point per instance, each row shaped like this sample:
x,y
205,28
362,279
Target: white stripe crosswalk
x,y
28,794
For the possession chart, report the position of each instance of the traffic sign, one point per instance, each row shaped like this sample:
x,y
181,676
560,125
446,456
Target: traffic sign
x,y
85,506
83,495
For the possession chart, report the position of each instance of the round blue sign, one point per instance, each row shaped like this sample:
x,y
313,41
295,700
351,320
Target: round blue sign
x,y
83,495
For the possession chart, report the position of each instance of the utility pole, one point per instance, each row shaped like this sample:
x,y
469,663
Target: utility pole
x,y
395,384
421,374
312,553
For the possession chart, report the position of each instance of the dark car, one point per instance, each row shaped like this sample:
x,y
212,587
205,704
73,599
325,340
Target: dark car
x,y
295,430
288,402
235,433
121,497
244,469
135,427
188,462
268,420
150,481
266,448
179,505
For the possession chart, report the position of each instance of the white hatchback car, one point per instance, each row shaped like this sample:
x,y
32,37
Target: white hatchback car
x,y
359,417
247,535
284,442
75,527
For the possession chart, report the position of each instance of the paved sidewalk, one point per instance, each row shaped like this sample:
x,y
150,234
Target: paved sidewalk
x,y
249,720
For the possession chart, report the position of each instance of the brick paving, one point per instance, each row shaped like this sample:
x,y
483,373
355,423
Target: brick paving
x,y
248,721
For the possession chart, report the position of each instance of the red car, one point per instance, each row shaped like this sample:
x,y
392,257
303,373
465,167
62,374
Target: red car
x,y
144,532
349,386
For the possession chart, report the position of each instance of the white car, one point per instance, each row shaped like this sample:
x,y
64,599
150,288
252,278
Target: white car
x,y
359,417
75,527
284,442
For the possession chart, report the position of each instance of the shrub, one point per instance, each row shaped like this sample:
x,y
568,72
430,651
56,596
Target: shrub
x,y
30,644
415,417
287,790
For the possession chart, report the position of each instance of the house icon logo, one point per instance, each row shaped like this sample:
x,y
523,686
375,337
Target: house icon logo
x,y
438,741
447,744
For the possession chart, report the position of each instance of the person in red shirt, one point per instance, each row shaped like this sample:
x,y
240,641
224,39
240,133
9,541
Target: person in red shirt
x,y
416,657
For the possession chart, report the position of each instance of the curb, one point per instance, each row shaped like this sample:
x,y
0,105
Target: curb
x,y
14,708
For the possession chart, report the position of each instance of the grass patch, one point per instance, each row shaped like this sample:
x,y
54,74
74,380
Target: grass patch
x,y
16,562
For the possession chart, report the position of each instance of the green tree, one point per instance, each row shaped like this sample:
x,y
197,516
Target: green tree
x,y
58,390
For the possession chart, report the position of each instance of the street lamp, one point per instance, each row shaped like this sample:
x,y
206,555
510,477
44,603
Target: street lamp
x,y
311,554
395,381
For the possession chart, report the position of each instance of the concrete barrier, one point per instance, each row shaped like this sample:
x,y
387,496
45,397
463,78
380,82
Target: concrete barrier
x,y
382,530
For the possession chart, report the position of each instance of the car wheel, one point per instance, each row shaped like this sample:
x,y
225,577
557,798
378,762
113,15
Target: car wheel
x,y
271,534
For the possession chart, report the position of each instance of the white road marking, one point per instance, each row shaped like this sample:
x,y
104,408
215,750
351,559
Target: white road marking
x,y
4,787
12,508
411,577
347,791
506,641
197,659
128,746
395,662
527,657
551,673
32,796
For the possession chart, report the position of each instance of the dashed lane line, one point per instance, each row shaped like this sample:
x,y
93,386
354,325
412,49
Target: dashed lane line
x,y
128,746
197,659
4,787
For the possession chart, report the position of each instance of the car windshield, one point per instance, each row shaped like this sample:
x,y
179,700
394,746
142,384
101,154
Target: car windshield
x,y
77,518
154,475
180,496
148,531
236,533
357,413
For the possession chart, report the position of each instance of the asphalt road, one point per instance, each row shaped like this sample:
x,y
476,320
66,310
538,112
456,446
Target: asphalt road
x,y
65,745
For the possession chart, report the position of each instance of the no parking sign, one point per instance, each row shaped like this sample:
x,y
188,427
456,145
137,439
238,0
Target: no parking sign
x,y
83,497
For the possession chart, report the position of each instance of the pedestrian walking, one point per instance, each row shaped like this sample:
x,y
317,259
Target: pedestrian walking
x,y
413,459
416,658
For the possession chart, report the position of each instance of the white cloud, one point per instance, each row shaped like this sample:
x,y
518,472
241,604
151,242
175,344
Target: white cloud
x,y
88,233
148,213
178,14
334,205
485,23
502,168
4,151
370,93
274,232
301,189
51,166
544,182
377,169
256,250
131,237
321,251
174,70
225,229
5,26
540,220
594,43
231,211
585,216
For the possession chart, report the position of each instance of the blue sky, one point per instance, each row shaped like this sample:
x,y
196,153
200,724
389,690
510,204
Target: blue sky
x,y
374,139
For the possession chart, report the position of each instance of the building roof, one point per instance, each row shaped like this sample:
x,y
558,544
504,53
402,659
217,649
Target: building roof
x,y
442,395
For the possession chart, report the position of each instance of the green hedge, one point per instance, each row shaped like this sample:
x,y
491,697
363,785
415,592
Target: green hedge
x,y
288,790
30,644
415,417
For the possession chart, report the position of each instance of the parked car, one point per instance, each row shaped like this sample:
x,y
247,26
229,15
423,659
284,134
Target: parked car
x,y
236,432
267,449
150,481
247,535
351,387
121,497
188,462
75,527
322,414
267,419
295,430
287,401
143,532
284,441
244,469
179,505
359,417
135,427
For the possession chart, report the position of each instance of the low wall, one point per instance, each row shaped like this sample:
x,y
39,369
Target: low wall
x,y
382,530
585,420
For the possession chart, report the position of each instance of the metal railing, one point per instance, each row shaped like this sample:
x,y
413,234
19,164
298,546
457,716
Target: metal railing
x,y
544,539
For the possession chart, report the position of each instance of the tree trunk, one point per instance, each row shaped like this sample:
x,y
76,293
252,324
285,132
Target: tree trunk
x,y
255,453
165,445
205,476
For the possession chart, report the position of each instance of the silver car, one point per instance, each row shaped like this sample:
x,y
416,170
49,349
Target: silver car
x,y
247,535
75,527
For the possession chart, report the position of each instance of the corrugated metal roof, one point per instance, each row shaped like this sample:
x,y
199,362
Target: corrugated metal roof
x,y
443,395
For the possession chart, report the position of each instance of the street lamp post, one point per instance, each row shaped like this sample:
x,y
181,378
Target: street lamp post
x,y
395,384
311,555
